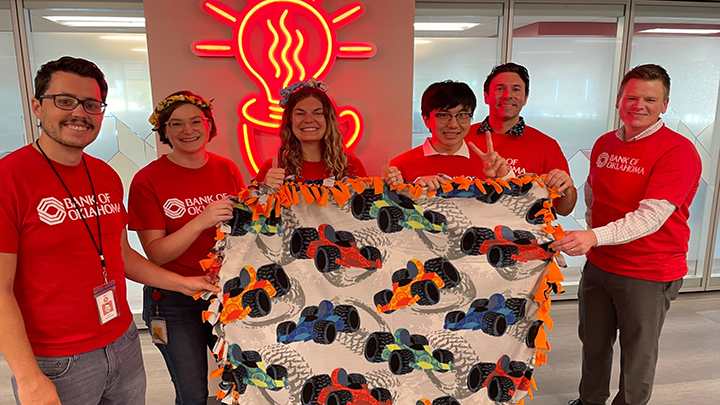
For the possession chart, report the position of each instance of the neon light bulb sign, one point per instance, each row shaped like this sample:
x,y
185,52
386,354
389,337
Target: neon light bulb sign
x,y
278,43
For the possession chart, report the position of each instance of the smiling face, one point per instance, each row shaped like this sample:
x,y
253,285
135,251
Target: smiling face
x,y
640,105
308,120
506,96
72,129
193,129
447,136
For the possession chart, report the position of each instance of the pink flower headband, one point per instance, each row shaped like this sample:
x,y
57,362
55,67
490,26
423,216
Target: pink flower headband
x,y
196,100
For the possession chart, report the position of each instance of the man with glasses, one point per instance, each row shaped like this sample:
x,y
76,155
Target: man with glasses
x,y
66,330
447,109
526,149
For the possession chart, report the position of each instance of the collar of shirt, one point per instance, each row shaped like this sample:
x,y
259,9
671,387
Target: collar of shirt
x,y
644,134
517,129
428,150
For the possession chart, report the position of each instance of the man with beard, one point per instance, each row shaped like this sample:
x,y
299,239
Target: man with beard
x,y
526,149
66,329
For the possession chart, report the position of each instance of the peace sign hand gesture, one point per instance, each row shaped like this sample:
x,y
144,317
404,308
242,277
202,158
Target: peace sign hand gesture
x,y
495,165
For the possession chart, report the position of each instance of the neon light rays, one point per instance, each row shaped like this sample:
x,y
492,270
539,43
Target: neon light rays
x,y
277,43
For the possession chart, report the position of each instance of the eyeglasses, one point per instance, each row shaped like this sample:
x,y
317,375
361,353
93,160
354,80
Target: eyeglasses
x,y
462,118
69,103
176,126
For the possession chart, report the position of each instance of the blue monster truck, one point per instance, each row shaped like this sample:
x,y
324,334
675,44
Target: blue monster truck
x,y
405,352
320,324
492,316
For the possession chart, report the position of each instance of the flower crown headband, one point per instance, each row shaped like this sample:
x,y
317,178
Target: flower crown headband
x,y
288,91
196,100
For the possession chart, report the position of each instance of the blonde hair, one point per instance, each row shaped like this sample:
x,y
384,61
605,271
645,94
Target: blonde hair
x,y
333,153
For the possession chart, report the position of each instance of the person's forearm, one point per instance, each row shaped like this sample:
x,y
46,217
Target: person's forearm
x,y
144,272
170,247
647,219
14,342
565,205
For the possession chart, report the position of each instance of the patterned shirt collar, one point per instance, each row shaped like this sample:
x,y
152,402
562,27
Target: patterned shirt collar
x,y
428,150
644,134
517,129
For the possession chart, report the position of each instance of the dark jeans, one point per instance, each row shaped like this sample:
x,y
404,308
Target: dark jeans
x,y
637,308
111,375
188,341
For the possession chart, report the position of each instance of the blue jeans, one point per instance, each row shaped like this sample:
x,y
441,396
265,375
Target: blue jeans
x,y
188,341
111,375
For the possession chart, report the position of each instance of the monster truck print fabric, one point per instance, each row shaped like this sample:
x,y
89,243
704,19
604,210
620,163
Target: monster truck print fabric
x,y
363,294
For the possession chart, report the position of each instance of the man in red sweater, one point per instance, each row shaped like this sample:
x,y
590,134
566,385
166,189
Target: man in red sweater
x,y
447,109
642,180
526,149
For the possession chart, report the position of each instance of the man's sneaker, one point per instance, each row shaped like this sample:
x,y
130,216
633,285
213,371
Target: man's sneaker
x,y
575,402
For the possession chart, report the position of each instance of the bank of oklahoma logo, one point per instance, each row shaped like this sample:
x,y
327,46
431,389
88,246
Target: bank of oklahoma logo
x,y
51,211
602,159
174,208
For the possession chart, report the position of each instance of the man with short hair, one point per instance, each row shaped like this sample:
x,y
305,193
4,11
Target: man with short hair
x,y
447,109
642,180
66,329
526,149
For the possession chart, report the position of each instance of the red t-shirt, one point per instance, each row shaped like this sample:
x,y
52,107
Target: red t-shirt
x,y
532,152
662,166
166,196
57,264
413,164
316,170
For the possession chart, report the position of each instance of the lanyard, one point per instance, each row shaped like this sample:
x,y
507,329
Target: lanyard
x,y
98,247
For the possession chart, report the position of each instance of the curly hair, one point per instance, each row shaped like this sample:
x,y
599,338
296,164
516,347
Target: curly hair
x,y
164,115
333,153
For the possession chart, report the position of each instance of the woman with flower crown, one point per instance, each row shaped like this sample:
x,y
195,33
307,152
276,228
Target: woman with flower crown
x,y
311,143
174,204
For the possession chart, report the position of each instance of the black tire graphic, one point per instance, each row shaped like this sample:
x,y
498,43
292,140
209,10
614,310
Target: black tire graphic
x,y
300,241
350,317
495,323
532,333
534,209
342,397
491,195
445,269
276,372
478,374
520,234
375,344
232,287
325,258
445,401
517,305
499,388
480,304
312,388
326,332
443,356
251,356
237,376
517,191
383,298
389,219
516,369
344,236
435,218
275,274
285,328
361,203
355,378
239,220
371,253
259,302
399,275
500,255
400,360
419,340
428,292
381,394
453,318
473,238
309,311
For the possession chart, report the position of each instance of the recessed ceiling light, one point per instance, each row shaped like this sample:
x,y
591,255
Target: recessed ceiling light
x,y
138,37
443,26
695,31
140,49
422,41
98,21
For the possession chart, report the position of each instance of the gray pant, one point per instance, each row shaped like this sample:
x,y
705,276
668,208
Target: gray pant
x,y
637,308
111,375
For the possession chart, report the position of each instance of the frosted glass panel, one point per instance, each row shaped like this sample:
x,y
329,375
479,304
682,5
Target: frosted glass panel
x,y
12,135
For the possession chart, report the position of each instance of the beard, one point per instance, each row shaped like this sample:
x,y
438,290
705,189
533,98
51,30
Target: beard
x,y
54,132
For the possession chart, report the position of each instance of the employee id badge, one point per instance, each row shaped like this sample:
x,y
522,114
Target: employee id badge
x,y
158,329
106,302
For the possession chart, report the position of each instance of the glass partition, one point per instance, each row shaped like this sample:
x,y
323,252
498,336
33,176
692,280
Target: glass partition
x,y
458,41
12,135
573,55
686,42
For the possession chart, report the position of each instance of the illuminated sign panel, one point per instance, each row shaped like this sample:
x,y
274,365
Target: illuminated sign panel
x,y
278,43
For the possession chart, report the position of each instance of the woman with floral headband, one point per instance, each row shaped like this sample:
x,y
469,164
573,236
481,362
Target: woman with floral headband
x,y
174,204
312,145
